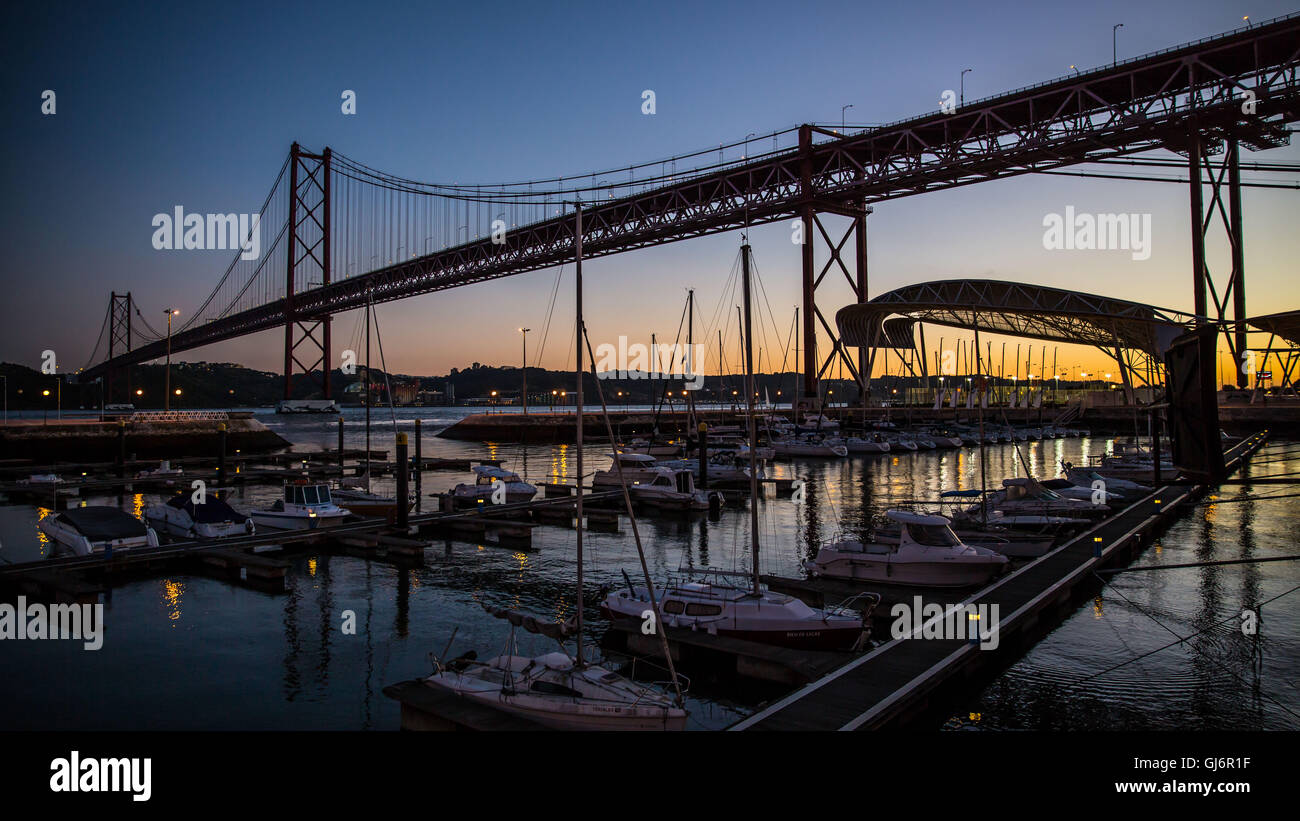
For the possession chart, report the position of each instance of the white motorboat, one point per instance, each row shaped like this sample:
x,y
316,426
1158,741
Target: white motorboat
x,y
365,503
873,444
808,447
818,423
493,483
946,438
642,446
1025,496
213,519
306,506
636,467
724,609
97,529
673,490
928,553
164,470
1084,477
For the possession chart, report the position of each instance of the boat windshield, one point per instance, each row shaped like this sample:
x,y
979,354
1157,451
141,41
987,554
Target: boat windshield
x,y
933,535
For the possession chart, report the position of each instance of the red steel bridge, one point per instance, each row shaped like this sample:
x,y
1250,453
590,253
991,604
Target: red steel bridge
x,y
337,233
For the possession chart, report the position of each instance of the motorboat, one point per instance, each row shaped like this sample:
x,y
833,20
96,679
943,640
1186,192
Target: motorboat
x,y
946,438
365,503
553,689
1068,489
163,471
721,468
643,446
720,608
808,447
674,490
1085,476
635,467
870,444
928,553
306,505
488,481
97,529
213,519
1026,496
1000,539
307,406
818,423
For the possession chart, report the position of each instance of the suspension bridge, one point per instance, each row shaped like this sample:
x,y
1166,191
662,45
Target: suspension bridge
x,y
339,234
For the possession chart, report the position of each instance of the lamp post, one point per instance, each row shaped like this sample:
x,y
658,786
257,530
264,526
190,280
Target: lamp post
x,y
524,369
1114,51
843,109
45,409
962,98
167,374
178,394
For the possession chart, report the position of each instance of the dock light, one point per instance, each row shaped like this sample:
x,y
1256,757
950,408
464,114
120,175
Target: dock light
x,y
178,391
1157,501
139,392
45,393
1096,547
973,627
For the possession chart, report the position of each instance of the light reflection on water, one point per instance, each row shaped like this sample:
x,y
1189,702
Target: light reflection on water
x,y
192,652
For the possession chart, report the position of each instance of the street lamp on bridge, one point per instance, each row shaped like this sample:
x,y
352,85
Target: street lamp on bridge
x,y
167,374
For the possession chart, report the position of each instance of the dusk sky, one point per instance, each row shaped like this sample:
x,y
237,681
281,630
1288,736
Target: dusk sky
x,y
197,107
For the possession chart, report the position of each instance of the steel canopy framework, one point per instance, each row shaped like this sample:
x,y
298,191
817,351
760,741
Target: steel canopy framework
x,y
1132,333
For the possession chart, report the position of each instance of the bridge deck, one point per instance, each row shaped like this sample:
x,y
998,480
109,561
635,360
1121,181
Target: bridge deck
x,y
880,687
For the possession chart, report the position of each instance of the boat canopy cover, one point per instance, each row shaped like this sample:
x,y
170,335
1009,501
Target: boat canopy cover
x,y
212,510
100,522
910,518
643,458
493,472
961,493
551,629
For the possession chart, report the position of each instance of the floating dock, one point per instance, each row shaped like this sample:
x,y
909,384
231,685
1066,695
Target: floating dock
x,y
905,679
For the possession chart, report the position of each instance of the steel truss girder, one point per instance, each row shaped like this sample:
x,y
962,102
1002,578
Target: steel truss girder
x,y
1140,105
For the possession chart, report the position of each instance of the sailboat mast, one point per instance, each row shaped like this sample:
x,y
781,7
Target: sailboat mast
x,y
690,357
984,479
752,434
367,390
577,267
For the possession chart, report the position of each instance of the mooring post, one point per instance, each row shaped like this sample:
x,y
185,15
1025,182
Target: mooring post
x,y
419,466
221,454
340,445
121,448
403,473
704,455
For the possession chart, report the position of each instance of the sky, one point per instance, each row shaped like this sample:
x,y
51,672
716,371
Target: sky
x,y
198,106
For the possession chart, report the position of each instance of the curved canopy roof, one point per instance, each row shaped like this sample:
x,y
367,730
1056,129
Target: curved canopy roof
x,y
1285,325
1013,308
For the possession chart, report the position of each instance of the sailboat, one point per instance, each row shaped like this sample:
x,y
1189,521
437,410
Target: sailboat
x,y
365,502
555,689
721,607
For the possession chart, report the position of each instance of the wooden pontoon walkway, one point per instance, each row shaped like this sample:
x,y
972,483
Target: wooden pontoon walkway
x,y
894,682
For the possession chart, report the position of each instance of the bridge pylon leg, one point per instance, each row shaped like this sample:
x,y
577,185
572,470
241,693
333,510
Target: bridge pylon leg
x,y
308,254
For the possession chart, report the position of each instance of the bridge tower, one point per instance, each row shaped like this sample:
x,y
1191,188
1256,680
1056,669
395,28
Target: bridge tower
x,y
1202,143
307,336
848,255
119,340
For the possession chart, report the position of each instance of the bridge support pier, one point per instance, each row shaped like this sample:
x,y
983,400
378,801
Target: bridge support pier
x,y
850,258
119,341
308,254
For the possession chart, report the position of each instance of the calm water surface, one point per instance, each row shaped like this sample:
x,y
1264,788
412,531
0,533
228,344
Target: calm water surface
x,y
188,652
